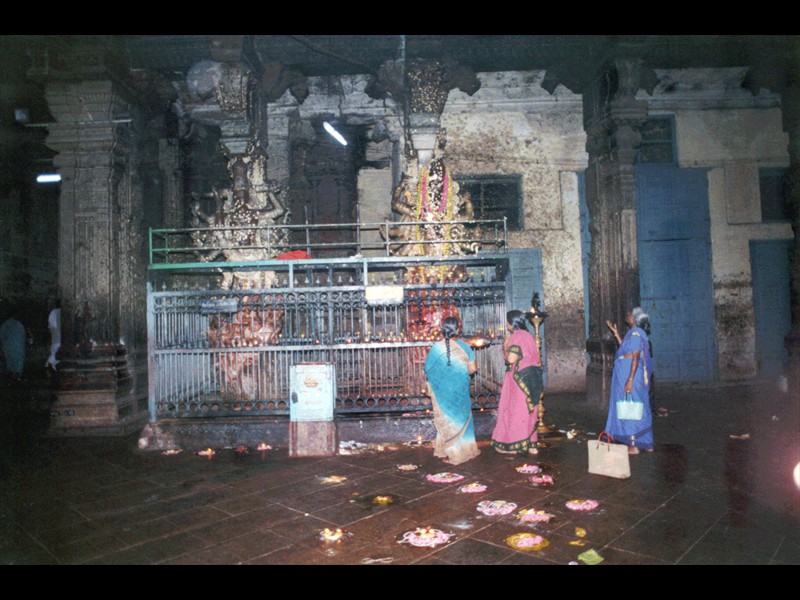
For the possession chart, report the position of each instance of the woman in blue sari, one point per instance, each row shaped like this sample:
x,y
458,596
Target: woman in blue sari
x,y
630,379
448,367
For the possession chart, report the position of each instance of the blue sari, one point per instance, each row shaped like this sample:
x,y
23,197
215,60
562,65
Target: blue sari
x,y
632,433
452,405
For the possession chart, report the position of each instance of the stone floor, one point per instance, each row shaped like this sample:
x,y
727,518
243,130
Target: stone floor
x,y
717,490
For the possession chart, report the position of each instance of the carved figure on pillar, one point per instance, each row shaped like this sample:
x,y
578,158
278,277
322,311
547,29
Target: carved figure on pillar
x,y
435,218
258,210
435,221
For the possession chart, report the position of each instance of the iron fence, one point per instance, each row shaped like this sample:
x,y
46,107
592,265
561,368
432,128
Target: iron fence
x,y
223,335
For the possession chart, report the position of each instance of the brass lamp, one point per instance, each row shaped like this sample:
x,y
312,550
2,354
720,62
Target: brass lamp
x,y
537,317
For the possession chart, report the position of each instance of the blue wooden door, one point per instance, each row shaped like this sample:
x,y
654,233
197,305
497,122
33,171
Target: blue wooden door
x,y
769,262
674,249
525,267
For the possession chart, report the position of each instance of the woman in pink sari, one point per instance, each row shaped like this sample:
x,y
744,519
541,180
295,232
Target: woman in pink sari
x,y
515,431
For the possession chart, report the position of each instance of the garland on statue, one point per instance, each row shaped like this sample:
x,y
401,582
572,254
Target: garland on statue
x,y
444,212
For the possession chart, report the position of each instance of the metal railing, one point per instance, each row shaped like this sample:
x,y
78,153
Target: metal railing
x,y
227,350
170,248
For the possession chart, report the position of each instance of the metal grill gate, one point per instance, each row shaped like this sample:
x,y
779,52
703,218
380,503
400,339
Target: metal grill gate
x,y
228,352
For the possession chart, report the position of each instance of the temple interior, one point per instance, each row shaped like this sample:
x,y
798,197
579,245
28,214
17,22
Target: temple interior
x,y
227,211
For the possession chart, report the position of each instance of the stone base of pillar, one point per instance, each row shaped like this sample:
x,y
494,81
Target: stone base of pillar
x,y
96,412
95,395
598,384
313,438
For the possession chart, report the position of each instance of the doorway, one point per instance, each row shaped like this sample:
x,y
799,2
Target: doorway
x,y
769,263
675,274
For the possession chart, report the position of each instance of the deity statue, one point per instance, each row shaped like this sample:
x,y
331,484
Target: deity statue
x,y
245,226
248,224
435,218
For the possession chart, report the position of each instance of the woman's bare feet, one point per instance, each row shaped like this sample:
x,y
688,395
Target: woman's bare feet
x,y
633,450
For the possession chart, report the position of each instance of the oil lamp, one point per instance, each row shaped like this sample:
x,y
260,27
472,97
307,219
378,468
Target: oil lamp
x,y
537,317
331,535
478,342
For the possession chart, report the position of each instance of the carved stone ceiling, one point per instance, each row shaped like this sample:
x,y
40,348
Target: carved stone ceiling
x,y
571,60
332,54
573,55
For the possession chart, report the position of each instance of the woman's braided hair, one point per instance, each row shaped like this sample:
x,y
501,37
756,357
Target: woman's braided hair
x,y
449,329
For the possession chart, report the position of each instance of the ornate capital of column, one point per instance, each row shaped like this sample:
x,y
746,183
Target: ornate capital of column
x,y
428,83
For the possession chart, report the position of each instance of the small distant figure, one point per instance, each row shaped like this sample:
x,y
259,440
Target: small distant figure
x,y
54,325
13,337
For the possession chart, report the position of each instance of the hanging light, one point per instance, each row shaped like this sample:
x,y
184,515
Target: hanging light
x,y
48,178
336,135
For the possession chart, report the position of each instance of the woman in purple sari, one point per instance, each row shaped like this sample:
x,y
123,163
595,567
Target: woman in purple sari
x,y
518,411
633,368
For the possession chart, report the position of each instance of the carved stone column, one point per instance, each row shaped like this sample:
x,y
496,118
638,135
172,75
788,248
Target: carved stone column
x,y
612,117
790,104
236,127
169,163
428,83
102,258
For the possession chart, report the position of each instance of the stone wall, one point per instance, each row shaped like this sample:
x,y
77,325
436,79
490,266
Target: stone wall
x,y
513,126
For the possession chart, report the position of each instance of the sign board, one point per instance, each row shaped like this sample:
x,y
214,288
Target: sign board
x,y
383,295
223,305
312,392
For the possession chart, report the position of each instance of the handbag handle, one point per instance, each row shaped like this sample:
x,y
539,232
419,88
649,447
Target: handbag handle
x,y
608,437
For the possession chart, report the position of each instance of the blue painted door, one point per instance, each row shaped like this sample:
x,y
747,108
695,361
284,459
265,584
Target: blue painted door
x,y
674,250
525,267
769,262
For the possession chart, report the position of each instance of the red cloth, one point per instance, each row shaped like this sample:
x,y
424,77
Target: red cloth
x,y
293,255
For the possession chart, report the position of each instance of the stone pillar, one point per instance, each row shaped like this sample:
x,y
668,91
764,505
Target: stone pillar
x,y
612,117
232,95
427,85
790,105
169,163
278,149
102,258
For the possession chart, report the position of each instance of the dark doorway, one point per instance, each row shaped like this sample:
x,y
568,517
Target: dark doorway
x,y
323,180
769,260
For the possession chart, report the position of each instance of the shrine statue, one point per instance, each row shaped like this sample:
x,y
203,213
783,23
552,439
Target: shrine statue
x,y
435,218
245,227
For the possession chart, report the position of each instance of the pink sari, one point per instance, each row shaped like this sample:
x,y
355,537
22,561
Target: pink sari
x,y
518,411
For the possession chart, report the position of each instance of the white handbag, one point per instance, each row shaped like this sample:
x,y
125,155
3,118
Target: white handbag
x,y
608,458
629,409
